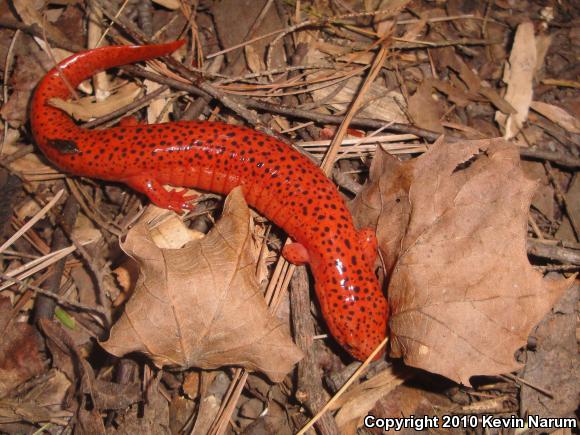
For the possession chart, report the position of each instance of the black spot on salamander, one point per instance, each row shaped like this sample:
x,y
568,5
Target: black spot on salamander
x,y
64,146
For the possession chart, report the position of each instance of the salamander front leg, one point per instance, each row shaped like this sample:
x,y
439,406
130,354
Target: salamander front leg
x,y
296,254
155,191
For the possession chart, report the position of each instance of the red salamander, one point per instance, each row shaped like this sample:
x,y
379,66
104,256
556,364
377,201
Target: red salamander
x,y
276,180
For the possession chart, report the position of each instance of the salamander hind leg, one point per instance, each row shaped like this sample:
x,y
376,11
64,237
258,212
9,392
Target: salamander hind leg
x,y
368,240
155,191
296,253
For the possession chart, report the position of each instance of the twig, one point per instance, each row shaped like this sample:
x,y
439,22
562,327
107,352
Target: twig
x,y
347,384
92,212
57,298
330,157
229,402
18,154
310,390
32,221
7,70
561,198
558,268
553,252
252,30
550,156
410,45
37,264
529,384
44,307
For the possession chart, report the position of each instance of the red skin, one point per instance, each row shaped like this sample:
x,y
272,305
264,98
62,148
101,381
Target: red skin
x,y
276,180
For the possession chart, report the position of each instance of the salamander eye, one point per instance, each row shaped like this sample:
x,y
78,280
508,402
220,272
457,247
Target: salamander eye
x,y
64,146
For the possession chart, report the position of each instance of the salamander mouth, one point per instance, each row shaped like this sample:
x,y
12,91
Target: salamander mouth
x,y
347,338
356,352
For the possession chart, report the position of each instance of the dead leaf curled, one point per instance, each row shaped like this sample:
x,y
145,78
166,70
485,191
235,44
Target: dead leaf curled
x,y
200,306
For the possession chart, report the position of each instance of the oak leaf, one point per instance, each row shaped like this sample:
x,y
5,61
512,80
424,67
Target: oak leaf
x,y
463,295
200,306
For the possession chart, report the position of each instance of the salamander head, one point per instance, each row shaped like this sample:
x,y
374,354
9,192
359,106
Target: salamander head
x,y
354,307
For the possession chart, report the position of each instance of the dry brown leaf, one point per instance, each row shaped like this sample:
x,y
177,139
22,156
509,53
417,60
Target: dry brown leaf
x,y
85,232
87,108
200,306
463,294
384,204
425,111
30,13
171,232
519,75
253,60
553,363
410,399
235,19
455,94
158,110
378,103
448,58
386,21
41,399
543,43
169,4
558,115
20,350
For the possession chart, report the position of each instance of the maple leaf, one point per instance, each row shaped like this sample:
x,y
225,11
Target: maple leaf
x,y
200,306
463,294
